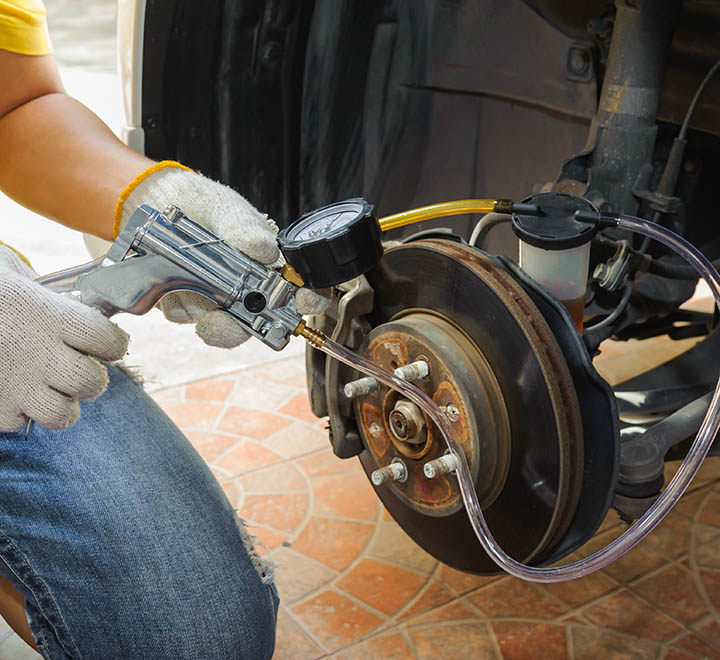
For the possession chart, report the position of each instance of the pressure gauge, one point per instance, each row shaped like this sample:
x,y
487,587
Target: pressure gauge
x,y
333,244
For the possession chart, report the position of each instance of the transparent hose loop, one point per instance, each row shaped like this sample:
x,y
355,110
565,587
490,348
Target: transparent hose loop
x,y
644,525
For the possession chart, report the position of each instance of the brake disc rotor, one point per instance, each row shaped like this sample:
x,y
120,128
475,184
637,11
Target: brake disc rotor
x,y
494,360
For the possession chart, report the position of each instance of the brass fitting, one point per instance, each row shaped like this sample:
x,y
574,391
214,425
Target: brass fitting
x,y
315,337
503,206
291,275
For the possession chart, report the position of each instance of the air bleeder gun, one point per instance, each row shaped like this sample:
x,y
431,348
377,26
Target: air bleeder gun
x,y
156,253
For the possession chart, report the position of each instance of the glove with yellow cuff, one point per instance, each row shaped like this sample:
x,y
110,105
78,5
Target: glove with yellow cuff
x,y
228,215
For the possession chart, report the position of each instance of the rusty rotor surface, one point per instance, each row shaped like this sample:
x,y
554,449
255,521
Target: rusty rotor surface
x,y
527,476
459,376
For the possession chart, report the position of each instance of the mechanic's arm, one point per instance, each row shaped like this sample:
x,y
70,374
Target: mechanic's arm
x,y
57,157
60,160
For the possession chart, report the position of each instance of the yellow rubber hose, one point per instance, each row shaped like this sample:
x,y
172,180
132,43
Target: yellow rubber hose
x,y
457,207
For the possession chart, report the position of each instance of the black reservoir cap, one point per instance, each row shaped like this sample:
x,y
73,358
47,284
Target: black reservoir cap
x,y
556,227
333,244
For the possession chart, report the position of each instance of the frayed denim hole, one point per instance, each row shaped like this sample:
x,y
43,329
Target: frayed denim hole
x,y
264,566
134,373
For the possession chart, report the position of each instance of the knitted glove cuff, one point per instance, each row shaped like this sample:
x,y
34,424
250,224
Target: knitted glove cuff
x,y
19,254
120,220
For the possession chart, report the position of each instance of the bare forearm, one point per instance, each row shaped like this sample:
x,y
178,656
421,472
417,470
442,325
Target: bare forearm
x,y
60,160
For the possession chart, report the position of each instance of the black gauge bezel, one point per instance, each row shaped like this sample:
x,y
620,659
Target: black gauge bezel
x,y
337,255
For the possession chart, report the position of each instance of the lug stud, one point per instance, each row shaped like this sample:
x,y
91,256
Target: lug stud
x,y
413,371
443,465
396,471
360,387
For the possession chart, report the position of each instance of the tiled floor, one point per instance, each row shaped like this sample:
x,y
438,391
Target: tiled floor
x,y
353,585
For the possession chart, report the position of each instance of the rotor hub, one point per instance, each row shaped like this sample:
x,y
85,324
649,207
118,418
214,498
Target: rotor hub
x,y
461,382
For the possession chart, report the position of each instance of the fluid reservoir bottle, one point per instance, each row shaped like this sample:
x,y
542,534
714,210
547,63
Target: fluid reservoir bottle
x,y
555,248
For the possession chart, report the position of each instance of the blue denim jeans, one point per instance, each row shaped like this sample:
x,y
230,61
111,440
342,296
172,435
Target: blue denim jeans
x,y
123,543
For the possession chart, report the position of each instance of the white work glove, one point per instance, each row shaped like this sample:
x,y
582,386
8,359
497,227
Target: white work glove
x,y
231,217
50,347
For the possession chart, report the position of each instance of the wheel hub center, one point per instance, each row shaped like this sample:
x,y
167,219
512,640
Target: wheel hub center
x,y
461,382
407,422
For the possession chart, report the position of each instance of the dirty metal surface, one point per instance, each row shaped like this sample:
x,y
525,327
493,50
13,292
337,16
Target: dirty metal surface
x,y
538,497
459,376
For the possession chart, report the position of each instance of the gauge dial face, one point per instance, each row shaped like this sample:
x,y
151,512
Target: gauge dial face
x,y
327,222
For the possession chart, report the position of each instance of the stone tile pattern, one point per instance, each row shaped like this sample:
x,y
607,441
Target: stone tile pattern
x,y
354,586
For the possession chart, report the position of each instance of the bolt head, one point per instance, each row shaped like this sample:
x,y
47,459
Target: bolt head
x,y
578,61
452,412
277,331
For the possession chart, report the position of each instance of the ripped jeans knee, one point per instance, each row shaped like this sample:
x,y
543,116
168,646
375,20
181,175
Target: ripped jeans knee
x,y
124,544
264,566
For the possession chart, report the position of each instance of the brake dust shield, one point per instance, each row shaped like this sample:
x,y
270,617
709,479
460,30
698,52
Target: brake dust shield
x,y
494,360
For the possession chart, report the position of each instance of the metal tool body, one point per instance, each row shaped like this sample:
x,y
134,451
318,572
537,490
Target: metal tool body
x,y
157,253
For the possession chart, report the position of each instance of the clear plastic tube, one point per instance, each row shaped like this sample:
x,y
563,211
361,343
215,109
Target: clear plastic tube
x,y
652,517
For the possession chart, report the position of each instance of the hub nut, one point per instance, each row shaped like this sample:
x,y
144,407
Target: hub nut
x,y
407,422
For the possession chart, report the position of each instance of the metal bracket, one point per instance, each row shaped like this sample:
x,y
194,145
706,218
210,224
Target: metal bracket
x,y
357,301
667,204
613,274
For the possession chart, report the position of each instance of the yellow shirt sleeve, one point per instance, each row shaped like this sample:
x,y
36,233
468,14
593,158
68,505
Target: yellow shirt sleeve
x,y
23,27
